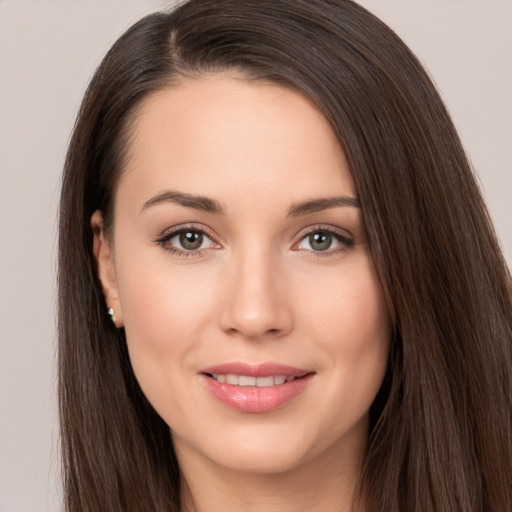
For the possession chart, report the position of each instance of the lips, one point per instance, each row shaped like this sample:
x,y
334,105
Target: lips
x,y
255,388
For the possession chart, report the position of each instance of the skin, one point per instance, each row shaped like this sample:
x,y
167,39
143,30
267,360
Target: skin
x,y
257,290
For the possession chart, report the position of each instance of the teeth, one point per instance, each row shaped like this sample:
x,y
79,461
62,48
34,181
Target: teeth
x,y
232,379
261,382
245,380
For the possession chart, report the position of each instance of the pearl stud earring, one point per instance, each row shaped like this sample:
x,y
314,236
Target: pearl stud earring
x,y
112,314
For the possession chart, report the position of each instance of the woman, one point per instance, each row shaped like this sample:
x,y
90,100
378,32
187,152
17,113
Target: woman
x,y
279,286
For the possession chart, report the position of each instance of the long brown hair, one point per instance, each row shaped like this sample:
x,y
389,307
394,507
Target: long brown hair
x,y
441,426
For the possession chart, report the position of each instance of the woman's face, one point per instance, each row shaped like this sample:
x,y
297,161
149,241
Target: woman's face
x,y
240,269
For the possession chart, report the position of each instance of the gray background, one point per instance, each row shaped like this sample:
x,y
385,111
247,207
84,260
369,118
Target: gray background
x,y
48,51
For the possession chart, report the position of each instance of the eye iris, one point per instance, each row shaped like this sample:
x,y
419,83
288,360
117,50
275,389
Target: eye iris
x,y
191,240
320,241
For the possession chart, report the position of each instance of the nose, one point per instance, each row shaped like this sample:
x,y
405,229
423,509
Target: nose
x,y
256,303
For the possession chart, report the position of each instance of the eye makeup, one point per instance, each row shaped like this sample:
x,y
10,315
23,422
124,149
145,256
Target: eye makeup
x,y
192,240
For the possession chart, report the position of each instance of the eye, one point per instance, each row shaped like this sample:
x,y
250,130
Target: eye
x,y
324,240
187,241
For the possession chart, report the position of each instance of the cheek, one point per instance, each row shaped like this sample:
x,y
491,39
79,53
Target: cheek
x,y
351,327
348,311
164,305
350,323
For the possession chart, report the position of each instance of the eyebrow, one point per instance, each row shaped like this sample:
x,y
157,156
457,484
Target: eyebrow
x,y
212,206
188,200
318,205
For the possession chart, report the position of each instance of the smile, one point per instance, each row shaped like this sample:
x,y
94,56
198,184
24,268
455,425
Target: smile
x,y
255,388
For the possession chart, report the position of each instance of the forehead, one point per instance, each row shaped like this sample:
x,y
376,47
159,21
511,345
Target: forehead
x,y
222,136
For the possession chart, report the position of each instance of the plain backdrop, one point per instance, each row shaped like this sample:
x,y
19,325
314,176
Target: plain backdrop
x,y
48,51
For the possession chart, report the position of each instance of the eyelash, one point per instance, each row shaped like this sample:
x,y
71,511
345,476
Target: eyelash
x,y
345,241
165,238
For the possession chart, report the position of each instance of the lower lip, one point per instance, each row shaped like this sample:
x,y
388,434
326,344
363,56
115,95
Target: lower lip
x,y
253,398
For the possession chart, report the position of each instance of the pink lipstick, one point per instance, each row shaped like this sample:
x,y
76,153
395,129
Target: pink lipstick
x,y
255,388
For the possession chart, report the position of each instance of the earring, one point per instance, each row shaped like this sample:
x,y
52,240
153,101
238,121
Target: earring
x,y
112,314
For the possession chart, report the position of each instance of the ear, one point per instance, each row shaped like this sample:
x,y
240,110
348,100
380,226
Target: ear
x,y
106,268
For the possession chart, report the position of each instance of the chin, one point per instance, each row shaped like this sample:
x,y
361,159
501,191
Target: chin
x,y
270,449
264,461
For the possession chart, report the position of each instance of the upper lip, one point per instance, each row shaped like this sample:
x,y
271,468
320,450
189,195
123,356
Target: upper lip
x,y
255,370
